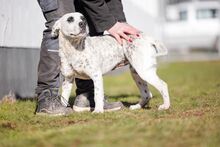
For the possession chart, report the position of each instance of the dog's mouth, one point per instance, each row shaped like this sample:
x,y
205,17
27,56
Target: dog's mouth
x,y
73,35
81,33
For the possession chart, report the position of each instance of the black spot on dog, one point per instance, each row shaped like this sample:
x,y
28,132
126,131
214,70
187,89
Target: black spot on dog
x,y
70,19
83,18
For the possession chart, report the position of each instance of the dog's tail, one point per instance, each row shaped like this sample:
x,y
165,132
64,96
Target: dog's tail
x,y
160,48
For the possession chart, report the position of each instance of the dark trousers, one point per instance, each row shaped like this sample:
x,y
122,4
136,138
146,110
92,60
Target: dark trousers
x,y
49,64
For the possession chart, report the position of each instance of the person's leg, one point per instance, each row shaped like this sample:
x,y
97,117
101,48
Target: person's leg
x,y
49,65
48,68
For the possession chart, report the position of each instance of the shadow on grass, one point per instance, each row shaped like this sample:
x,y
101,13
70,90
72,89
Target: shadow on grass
x,y
122,97
127,104
116,98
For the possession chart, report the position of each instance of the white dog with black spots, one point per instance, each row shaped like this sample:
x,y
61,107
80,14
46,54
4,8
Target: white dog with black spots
x,y
86,57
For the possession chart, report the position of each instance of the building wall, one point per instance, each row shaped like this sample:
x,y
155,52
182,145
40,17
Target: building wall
x,y
18,71
21,26
146,15
21,23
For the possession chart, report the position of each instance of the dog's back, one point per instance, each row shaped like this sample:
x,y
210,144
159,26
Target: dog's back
x,y
106,50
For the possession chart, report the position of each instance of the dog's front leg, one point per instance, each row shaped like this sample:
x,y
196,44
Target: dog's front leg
x,y
98,92
68,74
66,90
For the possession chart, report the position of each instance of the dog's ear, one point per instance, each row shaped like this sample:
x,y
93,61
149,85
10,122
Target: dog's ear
x,y
160,48
56,29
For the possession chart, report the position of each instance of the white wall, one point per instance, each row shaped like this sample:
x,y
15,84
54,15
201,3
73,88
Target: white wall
x,y
145,15
21,23
151,7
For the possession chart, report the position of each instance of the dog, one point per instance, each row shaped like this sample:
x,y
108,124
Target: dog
x,y
86,57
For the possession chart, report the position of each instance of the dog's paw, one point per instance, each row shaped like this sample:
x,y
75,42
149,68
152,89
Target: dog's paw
x,y
134,107
98,111
150,95
164,107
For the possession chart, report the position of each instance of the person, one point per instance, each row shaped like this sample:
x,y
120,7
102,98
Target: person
x,y
101,15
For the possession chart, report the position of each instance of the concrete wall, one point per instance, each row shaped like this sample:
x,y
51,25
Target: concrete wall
x,y
18,71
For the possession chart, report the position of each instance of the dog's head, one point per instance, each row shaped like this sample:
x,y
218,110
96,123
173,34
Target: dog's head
x,y
71,25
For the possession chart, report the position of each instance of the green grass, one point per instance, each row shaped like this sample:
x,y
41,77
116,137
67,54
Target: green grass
x,y
192,120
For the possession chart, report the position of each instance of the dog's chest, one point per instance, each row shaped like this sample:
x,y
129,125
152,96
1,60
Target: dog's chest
x,y
80,65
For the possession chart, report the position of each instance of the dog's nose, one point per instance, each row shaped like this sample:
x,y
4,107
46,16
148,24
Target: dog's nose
x,y
82,24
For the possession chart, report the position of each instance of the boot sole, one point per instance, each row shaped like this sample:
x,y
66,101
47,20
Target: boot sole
x,y
48,113
81,109
86,109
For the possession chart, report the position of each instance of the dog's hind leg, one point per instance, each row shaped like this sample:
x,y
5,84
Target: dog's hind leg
x,y
66,90
143,88
150,76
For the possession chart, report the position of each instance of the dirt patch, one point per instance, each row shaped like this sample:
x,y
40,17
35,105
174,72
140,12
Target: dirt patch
x,y
66,122
197,113
8,99
192,113
8,125
186,114
71,122
76,143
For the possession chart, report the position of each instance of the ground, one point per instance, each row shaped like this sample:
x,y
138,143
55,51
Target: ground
x,y
192,120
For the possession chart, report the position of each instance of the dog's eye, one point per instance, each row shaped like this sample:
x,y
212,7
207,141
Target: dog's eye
x,y
83,18
70,19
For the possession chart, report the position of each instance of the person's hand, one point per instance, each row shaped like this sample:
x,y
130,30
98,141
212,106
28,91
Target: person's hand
x,y
121,31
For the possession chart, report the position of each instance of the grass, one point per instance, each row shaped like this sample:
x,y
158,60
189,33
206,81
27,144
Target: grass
x,y
193,119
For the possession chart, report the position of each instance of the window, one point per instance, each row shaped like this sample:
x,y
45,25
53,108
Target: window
x,y
170,2
183,15
206,13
